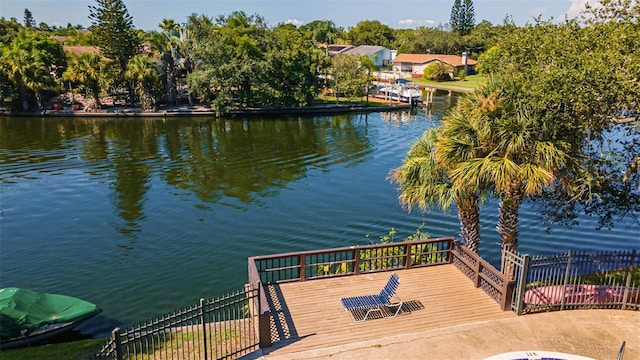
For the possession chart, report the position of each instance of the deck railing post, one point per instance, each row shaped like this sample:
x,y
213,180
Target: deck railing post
x,y
407,255
477,270
356,260
264,322
115,336
204,327
566,280
452,248
507,294
303,266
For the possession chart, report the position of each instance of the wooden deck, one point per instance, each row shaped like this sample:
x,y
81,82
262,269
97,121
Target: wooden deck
x,y
309,314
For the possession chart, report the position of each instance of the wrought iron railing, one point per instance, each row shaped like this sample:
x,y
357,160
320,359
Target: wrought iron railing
x,y
575,280
221,328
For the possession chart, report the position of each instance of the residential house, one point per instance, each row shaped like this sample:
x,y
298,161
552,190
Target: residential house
x,y
334,49
413,65
381,56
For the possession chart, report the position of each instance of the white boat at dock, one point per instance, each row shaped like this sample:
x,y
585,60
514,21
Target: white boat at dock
x,y
401,90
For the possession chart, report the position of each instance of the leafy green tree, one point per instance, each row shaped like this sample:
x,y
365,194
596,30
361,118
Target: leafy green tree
x,y
8,30
575,80
349,75
114,32
229,61
143,71
292,68
322,31
371,32
240,62
43,26
84,71
427,40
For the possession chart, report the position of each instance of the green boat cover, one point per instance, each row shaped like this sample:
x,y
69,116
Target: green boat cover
x,y
23,311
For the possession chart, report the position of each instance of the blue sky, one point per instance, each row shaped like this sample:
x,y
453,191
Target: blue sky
x,y
398,14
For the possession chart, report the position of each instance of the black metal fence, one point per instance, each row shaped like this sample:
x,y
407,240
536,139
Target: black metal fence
x,y
221,328
575,280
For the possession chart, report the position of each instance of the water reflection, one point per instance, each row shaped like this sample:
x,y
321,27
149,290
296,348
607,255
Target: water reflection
x,y
239,160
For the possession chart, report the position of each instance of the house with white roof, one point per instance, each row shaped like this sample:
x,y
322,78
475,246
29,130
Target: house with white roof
x,y
380,55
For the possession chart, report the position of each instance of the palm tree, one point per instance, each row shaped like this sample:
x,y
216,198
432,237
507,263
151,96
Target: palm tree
x,y
27,72
85,70
424,182
143,71
166,45
512,154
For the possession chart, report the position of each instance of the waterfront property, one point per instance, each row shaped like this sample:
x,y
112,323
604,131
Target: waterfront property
x,y
413,65
292,301
308,314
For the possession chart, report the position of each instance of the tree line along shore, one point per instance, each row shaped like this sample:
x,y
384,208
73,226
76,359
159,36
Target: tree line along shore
x,y
225,63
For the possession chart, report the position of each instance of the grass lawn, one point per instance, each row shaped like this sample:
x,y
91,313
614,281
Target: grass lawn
x,y
75,350
470,81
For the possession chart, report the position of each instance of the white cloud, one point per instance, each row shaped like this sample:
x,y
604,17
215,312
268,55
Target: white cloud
x,y
576,8
416,23
295,22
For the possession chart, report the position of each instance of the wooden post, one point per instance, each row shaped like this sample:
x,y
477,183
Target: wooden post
x,y
476,280
407,255
115,336
303,266
264,322
356,261
204,327
452,247
507,294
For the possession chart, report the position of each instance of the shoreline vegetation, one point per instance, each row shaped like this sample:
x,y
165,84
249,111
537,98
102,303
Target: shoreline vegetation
x,y
323,106
203,110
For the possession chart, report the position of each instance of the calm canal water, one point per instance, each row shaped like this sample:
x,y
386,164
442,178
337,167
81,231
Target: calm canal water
x,y
146,216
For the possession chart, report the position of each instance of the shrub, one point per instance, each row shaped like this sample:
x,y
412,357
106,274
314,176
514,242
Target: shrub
x,y
437,71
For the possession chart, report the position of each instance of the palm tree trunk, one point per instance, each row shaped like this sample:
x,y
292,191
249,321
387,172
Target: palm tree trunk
x,y
38,99
468,214
171,84
24,96
510,201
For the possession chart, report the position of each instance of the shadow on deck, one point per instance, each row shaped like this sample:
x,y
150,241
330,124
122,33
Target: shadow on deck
x,y
308,315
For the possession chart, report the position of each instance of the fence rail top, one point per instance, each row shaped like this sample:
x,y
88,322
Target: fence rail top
x,y
350,248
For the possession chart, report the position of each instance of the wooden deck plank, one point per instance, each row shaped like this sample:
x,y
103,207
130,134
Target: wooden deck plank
x,y
311,315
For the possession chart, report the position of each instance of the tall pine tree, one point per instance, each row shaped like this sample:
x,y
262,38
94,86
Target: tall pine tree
x,y
454,20
463,17
113,29
467,17
28,19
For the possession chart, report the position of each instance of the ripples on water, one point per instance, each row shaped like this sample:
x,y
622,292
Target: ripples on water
x,y
145,216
